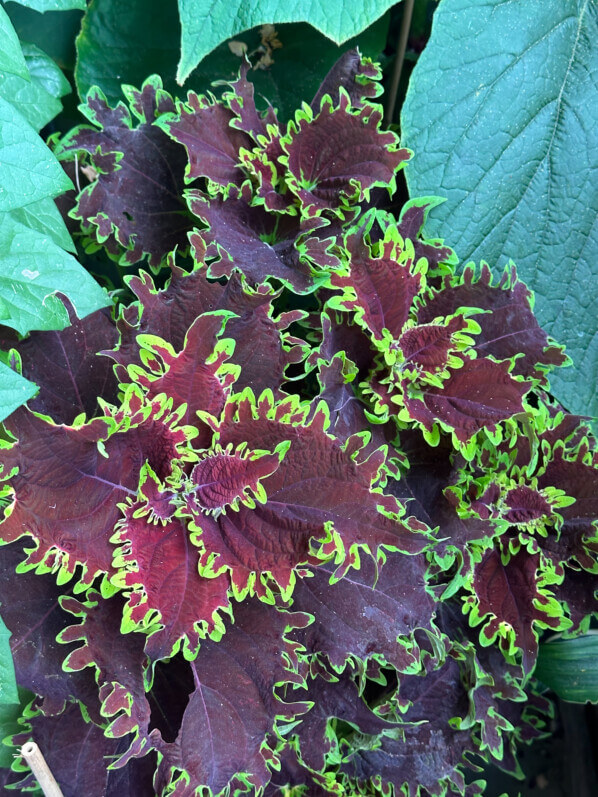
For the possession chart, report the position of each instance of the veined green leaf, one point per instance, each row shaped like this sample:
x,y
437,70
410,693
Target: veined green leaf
x,y
14,391
53,32
52,5
8,684
502,113
43,216
11,57
28,170
122,42
34,268
570,667
206,23
38,99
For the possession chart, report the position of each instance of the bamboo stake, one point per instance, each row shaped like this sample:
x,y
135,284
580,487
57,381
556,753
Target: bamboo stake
x,y
37,763
400,57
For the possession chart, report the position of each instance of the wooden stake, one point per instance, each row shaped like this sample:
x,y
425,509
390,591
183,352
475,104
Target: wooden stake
x,y
400,57
37,763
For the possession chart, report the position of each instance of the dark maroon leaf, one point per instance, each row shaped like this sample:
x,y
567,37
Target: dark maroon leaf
x,y
357,76
119,661
479,394
580,481
212,143
368,612
76,752
293,773
65,364
241,101
66,491
317,484
167,597
338,698
229,716
577,593
197,376
31,610
227,478
347,415
422,487
509,597
379,288
341,335
262,349
426,347
169,313
523,505
410,225
336,156
420,755
136,201
509,327
251,240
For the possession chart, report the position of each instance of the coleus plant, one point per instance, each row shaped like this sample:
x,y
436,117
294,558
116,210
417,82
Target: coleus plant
x,y
293,519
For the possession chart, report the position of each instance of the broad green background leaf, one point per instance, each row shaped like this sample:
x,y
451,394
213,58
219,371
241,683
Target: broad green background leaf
x,y
44,217
123,42
570,667
33,269
502,113
14,391
11,57
8,684
53,32
206,23
10,708
52,5
38,99
28,170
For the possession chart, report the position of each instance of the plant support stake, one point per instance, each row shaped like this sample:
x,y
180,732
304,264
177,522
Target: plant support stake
x,y
37,763
400,57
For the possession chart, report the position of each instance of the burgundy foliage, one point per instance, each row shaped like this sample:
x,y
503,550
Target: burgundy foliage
x,y
298,515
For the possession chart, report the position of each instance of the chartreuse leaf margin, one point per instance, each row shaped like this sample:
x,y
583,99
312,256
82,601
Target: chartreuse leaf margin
x,y
509,136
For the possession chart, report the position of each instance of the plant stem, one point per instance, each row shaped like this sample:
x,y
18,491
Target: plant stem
x,y
399,59
37,763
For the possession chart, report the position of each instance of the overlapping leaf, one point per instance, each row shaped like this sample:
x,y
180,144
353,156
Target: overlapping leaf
x,y
340,511
167,598
233,708
513,600
367,612
134,206
69,482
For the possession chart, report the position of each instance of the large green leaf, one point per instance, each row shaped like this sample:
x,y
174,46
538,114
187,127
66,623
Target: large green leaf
x,y
43,216
14,391
28,170
53,32
502,113
11,57
8,684
52,5
37,98
34,268
123,42
570,667
207,23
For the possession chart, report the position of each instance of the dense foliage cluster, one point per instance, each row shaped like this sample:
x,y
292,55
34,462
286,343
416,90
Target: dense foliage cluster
x,y
294,520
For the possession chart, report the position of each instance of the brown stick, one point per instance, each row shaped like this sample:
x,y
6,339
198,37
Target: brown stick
x,y
399,59
37,763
